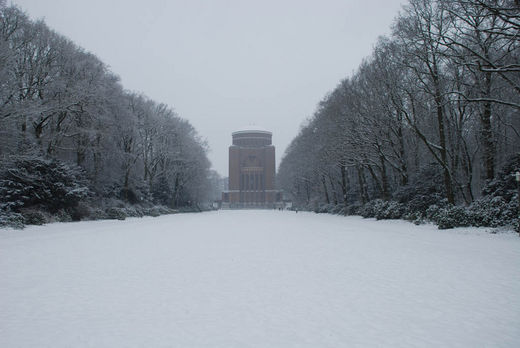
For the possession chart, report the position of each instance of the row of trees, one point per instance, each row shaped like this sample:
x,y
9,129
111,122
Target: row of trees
x,y
431,115
58,101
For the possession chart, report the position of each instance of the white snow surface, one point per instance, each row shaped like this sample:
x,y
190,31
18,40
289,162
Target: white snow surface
x,y
258,279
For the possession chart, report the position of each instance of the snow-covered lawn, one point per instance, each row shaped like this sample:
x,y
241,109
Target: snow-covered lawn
x,y
257,279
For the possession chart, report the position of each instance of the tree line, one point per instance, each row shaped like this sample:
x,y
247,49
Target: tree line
x,y
430,116
59,102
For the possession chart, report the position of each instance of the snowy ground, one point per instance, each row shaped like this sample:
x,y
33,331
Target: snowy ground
x,y
257,279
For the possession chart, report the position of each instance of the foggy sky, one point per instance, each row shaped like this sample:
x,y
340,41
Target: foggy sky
x,y
226,64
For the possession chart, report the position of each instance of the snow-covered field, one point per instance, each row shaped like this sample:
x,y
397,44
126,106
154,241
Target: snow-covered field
x,y
258,279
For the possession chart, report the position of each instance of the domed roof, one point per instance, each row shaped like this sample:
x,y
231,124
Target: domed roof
x,y
252,129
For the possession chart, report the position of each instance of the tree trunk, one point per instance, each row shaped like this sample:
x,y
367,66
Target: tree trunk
x,y
325,189
384,179
487,132
334,191
344,180
176,191
402,153
362,185
442,138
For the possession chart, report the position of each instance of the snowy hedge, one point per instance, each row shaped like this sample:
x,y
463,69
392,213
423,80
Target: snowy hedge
x,y
47,183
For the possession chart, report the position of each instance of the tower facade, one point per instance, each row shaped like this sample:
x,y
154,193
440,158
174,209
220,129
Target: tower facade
x,y
251,170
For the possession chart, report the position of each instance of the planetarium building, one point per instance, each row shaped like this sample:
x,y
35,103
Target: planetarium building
x,y
251,171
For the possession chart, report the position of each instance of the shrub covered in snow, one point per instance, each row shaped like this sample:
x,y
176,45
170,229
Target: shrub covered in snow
x,y
159,210
499,204
433,212
383,209
367,210
63,216
134,211
11,219
47,183
352,209
493,211
98,214
34,217
424,189
504,184
423,201
34,191
390,210
453,216
116,213
486,212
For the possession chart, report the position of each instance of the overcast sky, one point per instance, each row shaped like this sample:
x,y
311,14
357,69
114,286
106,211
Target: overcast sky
x,y
226,64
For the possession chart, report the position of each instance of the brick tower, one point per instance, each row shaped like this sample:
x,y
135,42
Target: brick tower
x,y
251,171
